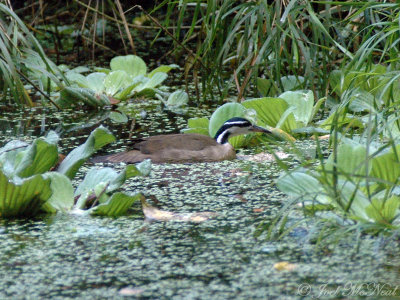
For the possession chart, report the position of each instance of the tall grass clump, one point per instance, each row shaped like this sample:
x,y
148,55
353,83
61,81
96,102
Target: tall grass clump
x,y
16,43
285,44
241,41
356,184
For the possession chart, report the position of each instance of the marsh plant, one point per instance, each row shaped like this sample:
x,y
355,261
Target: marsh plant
x,y
33,180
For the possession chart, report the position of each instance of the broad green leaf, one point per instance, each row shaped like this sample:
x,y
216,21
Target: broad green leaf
x,y
351,195
304,187
266,87
116,81
163,69
111,179
351,160
78,79
386,167
19,159
197,125
383,212
343,119
140,169
62,198
37,158
292,82
317,106
361,100
81,69
102,70
302,102
23,197
117,205
96,82
118,117
133,65
71,96
105,177
392,129
155,80
100,137
129,90
177,99
270,111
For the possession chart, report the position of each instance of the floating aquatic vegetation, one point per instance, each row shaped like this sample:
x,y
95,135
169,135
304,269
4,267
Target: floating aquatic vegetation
x,y
32,181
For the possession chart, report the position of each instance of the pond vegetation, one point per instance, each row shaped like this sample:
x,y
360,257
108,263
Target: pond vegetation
x,y
322,212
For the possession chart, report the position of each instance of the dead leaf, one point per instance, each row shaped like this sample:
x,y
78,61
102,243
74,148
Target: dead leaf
x,y
113,101
263,156
258,210
285,266
322,137
152,213
282,134
130,291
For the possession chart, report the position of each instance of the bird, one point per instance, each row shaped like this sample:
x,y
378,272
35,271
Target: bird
x,y
186,147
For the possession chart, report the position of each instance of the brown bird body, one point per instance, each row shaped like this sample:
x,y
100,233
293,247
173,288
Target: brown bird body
x,y
190,147
182,148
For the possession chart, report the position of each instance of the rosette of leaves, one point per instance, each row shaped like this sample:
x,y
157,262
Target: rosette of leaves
x,y
127,77
290,112
31,182
253,110
363,92
360,180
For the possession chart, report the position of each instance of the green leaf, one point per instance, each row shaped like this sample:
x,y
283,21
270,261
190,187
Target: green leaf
x,y
78,79
266,87
37,158
302,103
116,81
270,112
292,82
351,195
107,177
140,169
177,99
100,137
96,82
117,205
80,69
133,65
23,197
163,69
304,187
350,161
383,212
118,117
71,96
197,125
386,167
342,120
154,81
62,198
20,159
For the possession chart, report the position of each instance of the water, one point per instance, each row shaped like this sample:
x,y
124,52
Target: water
x,y
68,256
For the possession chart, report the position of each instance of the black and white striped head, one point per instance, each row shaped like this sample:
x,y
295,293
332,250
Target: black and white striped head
x,y
236,126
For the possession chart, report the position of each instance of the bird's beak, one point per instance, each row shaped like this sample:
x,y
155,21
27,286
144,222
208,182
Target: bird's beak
x,y
255,128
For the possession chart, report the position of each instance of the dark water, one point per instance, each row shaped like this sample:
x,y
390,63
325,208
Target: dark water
x,y
69,256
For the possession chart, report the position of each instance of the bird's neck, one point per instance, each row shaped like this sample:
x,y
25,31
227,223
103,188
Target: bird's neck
x,y
222,136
